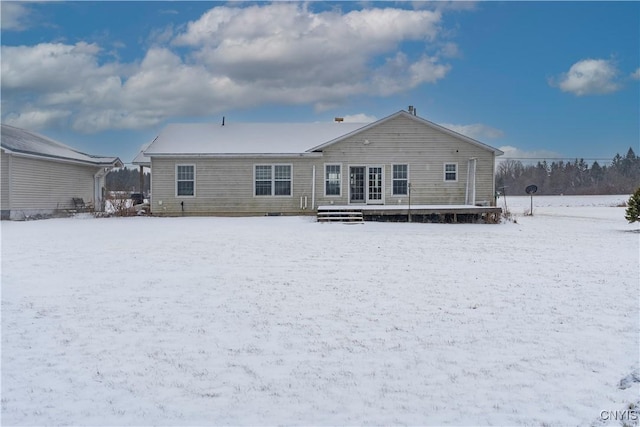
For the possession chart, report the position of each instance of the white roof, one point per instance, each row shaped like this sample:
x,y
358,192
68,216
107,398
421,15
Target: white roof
x,y
246,138
22,141
266,139
140,158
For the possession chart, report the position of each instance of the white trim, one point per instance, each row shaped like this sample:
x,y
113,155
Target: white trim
x,y
233,155
366,200
115,163
194,180
393,179
313,187
382,185
273,179
324,180
444,172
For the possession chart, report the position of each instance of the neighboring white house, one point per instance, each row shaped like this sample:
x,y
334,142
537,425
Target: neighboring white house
x,y
292,168
40,176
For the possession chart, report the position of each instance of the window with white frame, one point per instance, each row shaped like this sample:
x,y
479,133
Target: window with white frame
x,y
400,185
282,180
332,180
185,180
272,180
451,172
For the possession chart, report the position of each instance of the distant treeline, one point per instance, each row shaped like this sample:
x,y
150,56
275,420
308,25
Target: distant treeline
x,y
125,179
622,176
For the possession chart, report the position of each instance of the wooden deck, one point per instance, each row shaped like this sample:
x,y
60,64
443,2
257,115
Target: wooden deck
x,y
417,213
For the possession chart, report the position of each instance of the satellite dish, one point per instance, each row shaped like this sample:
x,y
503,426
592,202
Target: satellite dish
x,y
531,189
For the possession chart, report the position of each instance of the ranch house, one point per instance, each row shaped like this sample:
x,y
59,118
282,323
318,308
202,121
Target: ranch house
x,y
399,164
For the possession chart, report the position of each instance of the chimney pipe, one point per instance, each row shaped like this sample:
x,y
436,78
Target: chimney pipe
x,y
222,120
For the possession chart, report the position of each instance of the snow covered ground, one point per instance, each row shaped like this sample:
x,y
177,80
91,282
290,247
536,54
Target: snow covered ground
x,y
285,321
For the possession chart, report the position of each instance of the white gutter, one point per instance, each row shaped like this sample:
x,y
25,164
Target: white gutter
x,y
313,188
232,155
98,181
116,162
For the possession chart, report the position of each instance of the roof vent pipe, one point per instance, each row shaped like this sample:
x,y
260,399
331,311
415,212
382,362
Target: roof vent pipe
x,y
222,120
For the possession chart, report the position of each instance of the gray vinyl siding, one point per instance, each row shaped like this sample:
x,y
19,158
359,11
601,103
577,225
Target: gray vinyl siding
x,y
426,150
48,185
4,181
225,186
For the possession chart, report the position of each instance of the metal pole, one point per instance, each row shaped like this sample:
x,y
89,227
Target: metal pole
x,y
409,210
531,211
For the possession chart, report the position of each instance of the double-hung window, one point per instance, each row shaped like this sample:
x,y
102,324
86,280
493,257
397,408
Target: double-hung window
x,y
332,180
451,172
185,180
272,180
400,180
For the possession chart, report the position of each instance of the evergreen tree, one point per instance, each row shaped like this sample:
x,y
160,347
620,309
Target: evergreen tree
x,y
632,213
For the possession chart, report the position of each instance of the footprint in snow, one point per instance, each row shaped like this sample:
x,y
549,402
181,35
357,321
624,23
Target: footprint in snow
x,y
626,382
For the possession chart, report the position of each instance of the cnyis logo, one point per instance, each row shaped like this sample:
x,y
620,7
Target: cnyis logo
x,y
626,415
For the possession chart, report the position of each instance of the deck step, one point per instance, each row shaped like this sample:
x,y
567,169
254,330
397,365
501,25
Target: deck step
x,y
340,215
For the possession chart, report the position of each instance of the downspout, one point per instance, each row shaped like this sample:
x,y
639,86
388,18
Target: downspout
x,y
471,181
313,188
98,179
466,196
142,180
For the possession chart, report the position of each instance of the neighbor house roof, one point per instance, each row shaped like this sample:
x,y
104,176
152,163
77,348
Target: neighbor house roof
x,y
141,159
245,138
21,141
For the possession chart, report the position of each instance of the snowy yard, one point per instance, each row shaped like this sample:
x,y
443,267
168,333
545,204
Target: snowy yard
x,y
285,321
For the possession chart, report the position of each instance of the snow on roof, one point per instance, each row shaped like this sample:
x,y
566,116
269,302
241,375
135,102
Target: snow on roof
x,y
25,142
266,138
140,158
246,138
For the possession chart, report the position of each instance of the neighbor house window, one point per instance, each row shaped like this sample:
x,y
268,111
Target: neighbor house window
x,y
450,171
400,179
185,180
332,180
273,180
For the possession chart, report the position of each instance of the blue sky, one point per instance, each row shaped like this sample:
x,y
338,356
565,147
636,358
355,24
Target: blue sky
x,y
536,79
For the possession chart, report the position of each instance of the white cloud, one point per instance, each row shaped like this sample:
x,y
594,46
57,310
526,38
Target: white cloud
x,y
589,77
636,74
36,119
232,57
51,67
454,5
14,16
359,118
526,157
399,74
449,50
477,131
